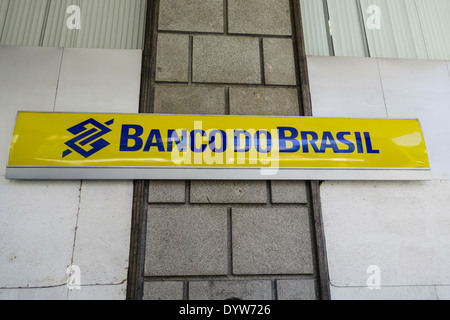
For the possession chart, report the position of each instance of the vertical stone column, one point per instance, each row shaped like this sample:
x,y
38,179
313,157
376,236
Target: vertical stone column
x,y
227,239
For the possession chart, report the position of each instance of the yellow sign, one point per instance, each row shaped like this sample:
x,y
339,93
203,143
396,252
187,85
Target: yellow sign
x,y
59,140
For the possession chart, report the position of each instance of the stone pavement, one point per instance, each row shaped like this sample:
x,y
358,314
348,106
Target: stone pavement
x,y
227,239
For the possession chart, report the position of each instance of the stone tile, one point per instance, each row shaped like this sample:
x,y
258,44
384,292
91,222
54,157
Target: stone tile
x,y
227,290
279,63
167,191
271,241
289,191
259,17
296,290
189,100
186,241
264,101
228,192
172,58
163,290
191,15
221,59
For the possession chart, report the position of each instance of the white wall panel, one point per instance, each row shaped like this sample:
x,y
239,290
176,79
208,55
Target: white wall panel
x,y
401,227
345,87
37,224
33,214
112,292
421,89
28,80
54,293
44,225
99,80
443,292
394,88
103,254
388,293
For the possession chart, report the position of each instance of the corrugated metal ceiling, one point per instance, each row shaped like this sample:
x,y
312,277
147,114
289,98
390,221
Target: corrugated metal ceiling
x,y
109,24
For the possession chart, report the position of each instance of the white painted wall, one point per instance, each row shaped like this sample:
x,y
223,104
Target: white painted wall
x,y
45,226
401,227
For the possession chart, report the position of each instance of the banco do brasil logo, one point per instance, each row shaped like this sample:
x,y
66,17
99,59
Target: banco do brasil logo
x,y
88,138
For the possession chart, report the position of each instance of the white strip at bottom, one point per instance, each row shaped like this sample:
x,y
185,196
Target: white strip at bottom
x,y
152,173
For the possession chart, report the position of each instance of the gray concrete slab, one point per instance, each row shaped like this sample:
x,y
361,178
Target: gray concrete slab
x,y
163,290
264,101
296,289
279,63
228,192
271,241
183,241
167,192
220,59
226,290
259,17
172,58
178,99
289,192
191,15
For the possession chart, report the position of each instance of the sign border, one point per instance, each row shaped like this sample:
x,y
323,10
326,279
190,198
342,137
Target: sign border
x,y
212,173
